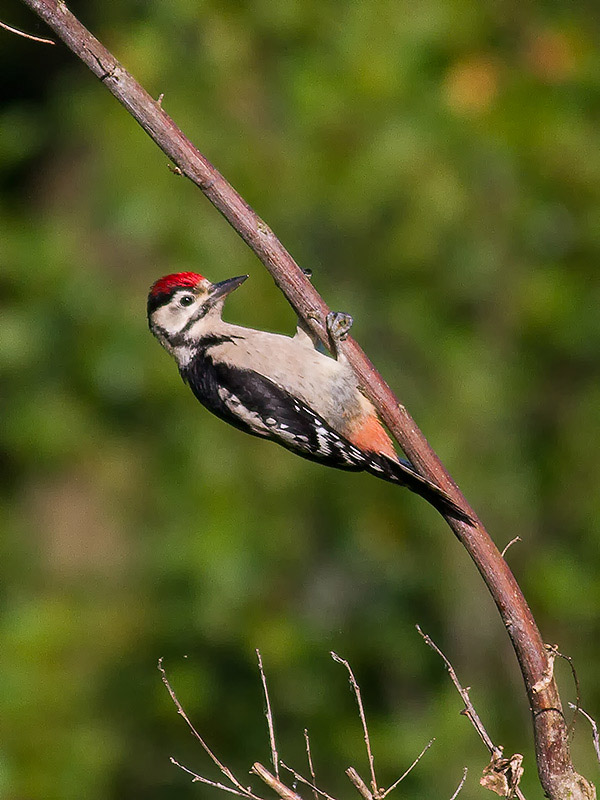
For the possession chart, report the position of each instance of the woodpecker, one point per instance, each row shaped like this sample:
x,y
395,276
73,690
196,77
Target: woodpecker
x,y
278,387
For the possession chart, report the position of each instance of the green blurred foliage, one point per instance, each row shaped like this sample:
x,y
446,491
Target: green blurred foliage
x,y
437,165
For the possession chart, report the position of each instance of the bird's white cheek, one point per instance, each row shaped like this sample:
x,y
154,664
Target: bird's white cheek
x,y
166,319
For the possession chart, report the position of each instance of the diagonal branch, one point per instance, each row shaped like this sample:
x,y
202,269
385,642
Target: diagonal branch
x,y
555,767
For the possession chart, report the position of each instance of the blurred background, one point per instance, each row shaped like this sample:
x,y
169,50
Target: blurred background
x,y
437,166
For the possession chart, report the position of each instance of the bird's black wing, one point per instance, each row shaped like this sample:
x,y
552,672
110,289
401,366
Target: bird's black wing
x,y
256,405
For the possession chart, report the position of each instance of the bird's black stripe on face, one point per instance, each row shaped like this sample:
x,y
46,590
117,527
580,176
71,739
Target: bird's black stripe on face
x,y
204,343
199,314
157,300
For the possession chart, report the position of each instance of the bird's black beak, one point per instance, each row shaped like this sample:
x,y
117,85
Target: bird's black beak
x,y
223,288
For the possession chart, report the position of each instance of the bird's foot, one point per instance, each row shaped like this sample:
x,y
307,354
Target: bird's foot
x,y
338,325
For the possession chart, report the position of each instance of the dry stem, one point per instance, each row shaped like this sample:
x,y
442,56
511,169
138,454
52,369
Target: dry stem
x,y
17,32
592,721
363,721
498,766
269,715
461,784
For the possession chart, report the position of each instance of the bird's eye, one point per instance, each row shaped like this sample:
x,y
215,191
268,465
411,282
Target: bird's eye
x,y
186,300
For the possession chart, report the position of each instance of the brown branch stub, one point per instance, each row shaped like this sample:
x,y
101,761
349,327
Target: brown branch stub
x,y
555,767
174,169
510,544
274,783
362,787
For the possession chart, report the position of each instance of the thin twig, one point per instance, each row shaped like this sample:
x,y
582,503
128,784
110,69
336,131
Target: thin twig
x,y
510,544
301,779
409,770
592,721
469,707
361,711
310,761
225,770
200,779
461,784
571,663
39,39
269,715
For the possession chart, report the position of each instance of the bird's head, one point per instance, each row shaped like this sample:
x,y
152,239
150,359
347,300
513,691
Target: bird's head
x,y
179,303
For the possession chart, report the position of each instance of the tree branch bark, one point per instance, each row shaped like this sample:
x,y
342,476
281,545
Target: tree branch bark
x,y
557,774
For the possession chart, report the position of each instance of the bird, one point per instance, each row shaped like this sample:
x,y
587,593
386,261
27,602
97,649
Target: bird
x,y
278,387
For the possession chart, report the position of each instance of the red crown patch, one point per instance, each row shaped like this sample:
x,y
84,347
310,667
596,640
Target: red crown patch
x,y
178,280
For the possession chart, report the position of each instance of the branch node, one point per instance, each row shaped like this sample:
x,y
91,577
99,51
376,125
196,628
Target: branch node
x,y
548,674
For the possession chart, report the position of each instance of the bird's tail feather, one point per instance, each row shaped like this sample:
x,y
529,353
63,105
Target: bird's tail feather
x,y
401,472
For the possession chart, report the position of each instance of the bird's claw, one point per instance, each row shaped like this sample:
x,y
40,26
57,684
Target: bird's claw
x,y
338,325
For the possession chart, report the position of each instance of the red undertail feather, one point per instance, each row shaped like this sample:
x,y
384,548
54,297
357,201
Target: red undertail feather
x,y
370,435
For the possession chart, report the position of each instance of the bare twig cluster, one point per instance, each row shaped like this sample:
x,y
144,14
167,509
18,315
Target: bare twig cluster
x,y
370,791
502,775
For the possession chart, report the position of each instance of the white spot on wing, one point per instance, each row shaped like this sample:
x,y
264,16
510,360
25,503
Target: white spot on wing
x,y
254,421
